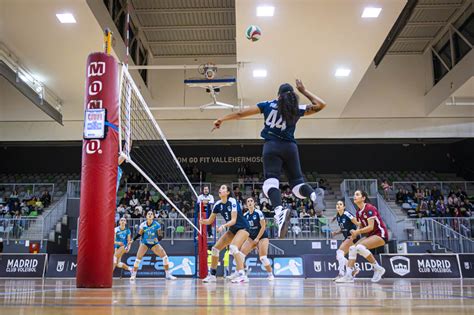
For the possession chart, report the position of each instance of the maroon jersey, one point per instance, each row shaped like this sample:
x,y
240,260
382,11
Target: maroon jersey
x,y
369,211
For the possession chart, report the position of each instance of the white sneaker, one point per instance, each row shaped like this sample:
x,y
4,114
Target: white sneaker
x,y
378,273
209,278
339,276
241,279
345,279
270,277
133,275
283,220
170,277
319,203
232,276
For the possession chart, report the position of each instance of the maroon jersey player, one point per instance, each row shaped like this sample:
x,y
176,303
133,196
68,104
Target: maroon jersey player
x,y
375,235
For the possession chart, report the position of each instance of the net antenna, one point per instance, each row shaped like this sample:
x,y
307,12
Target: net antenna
x,y
212,84
151,155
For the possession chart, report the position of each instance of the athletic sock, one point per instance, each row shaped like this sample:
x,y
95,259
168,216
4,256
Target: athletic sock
x,y
275,197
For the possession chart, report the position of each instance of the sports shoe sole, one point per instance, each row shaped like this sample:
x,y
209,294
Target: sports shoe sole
x,y
286,224
319,204
381,275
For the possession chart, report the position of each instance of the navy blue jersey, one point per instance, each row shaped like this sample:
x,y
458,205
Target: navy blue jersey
x,y
345,223
226,209
254,223
274,128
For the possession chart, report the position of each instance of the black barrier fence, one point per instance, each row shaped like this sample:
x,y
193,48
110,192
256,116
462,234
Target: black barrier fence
x,y
410,266
22,265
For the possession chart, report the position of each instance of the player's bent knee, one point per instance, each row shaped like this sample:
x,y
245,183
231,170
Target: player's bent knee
x,y
233,250
115,259
363,251
120,264
165,260
296,191
339,254
265,261
352,252
269,184
215,252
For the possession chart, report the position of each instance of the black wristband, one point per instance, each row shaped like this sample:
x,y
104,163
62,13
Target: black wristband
x,y
160,237
136,237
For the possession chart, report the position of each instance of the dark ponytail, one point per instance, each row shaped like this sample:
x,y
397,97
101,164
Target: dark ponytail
x,y
288,107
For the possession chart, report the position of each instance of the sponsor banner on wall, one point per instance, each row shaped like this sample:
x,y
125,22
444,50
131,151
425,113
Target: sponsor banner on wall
x,y
288,267
61,266
421,266
151,266
466,262
326,266
22,265
253,265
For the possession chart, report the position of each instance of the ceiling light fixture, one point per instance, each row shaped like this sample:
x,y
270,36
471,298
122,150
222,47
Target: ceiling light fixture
x,y
342,72
66,18
265,10
371,12
259,73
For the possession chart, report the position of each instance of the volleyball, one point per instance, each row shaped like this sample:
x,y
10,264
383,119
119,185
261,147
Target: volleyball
x,y
253,33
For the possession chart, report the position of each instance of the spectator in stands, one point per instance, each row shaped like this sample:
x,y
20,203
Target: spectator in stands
x,y
124,200
419,196
136,214
145,194
386,189
262,199
436,193
129,193
238,194
304,214
46,198
462,195
312,213
427,194
266,209
173,214
3,210
134,201
399,197
431,212
121,210
287,197
178,201
322,183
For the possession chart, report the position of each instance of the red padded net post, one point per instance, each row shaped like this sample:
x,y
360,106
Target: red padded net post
x,y
99,178
202,244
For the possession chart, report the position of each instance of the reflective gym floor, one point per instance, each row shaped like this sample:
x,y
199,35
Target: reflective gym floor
x,y
283,296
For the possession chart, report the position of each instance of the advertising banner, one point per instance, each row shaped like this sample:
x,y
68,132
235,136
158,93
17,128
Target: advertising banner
x,y
421,266
22,265
326,266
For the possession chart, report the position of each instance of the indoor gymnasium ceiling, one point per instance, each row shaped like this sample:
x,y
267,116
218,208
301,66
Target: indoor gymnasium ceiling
x,y
311,39
428,19
187,28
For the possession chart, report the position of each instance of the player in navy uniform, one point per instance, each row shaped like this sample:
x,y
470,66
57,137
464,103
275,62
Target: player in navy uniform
x,y
123,240
376,235
346,222
258,236
236,235
151,235
280,149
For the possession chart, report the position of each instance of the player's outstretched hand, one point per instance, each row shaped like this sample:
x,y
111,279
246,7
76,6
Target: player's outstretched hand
x,y
300,86
217,124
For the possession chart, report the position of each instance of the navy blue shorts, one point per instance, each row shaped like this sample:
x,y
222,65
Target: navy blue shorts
x,y
150,246
254,235
234,229
278,155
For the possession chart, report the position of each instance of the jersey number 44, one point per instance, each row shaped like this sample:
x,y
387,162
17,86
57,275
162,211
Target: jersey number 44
x,y
273,121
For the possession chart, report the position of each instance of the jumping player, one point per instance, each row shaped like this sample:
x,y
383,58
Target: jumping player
x,y
151,235
376,235
237,234
123,240
258,237
280,149
346,222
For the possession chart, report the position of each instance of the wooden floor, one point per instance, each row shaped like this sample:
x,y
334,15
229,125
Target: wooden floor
x,y
283,296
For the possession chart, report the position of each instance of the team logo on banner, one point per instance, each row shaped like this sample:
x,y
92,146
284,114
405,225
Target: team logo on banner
x,y
400,265
60,266
182,266
467,266
288,266
317,266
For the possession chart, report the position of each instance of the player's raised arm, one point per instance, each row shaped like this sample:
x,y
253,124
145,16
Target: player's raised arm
x,y
235,116
316,105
